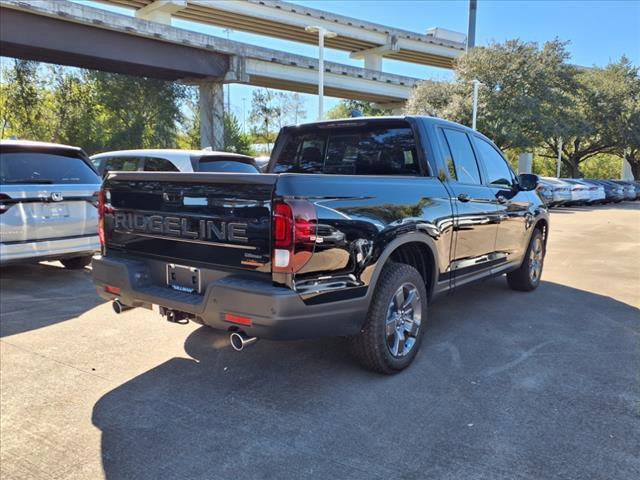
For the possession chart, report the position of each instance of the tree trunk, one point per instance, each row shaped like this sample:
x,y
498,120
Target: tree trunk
x,y
572,167
635,167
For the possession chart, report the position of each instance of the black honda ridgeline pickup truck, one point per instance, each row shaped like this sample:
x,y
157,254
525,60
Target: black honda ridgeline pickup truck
x,y
357,226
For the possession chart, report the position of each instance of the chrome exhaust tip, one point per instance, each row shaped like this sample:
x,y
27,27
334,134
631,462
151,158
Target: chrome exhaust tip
x,y
239,340
119,307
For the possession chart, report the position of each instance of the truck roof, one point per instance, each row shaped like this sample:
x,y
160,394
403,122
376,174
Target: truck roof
x,y
381,119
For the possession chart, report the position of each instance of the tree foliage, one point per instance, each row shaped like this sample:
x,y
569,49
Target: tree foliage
x,y
531,97
234,139
95,110
346,108
271,110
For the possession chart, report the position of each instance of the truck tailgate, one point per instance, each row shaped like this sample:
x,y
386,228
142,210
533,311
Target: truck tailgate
x,y
195,218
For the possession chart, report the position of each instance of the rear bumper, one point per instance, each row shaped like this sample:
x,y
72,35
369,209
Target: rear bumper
x,y
276,313
15,252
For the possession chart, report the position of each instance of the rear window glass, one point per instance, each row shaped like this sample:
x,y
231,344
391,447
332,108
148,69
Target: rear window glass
x,y
45,168
363,151
222,165
121,164
153,164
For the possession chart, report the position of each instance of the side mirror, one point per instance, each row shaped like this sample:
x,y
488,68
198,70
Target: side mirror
x,y
527,181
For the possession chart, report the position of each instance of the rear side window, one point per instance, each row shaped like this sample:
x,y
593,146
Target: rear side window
x,y
370,150
121,164
464,160
44,168
153,164
229,166
498,172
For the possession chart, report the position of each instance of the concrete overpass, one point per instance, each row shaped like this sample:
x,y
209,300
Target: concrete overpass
x,y
365,40
79,35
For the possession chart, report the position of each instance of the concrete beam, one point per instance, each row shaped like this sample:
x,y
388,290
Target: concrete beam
x,y
57,40
389,47
373,56
300,72
416,47
212,115
161,10
288,77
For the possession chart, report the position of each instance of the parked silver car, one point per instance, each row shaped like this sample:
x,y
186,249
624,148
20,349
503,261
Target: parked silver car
x,y
561,191
168,160
48,204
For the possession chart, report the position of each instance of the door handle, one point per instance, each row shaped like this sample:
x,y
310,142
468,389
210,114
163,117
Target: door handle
x,y
502,199
464,197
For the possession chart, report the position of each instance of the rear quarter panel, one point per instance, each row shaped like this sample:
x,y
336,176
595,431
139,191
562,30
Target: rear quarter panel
x,y
358,217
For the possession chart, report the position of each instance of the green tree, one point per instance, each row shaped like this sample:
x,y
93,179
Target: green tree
x,y
74,112
627,129
234,140
345,108
265,116
522,88
26,109
137,112
599,118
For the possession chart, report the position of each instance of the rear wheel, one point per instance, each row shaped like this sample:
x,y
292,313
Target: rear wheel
x,y
76,263
392,333
527,277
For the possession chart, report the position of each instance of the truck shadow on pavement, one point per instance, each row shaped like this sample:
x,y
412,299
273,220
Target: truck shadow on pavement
x,y
61,295
506,385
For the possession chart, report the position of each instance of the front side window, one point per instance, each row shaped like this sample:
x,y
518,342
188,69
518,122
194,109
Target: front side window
x,y
466,166
368,150
44,168
498,172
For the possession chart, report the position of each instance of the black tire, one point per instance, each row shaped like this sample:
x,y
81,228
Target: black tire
x,y
371,346
523,279
76,263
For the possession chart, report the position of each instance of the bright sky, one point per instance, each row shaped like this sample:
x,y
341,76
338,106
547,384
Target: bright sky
x,y
598,31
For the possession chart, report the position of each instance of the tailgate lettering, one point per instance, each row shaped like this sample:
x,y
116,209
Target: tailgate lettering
x,y
181,227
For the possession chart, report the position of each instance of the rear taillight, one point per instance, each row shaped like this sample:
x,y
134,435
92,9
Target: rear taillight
x,y
104,207
5,202
294,235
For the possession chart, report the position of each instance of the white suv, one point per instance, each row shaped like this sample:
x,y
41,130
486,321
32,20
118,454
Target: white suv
x,y
48,204
167,160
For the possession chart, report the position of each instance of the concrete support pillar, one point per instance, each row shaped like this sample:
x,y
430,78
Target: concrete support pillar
x,y
161,10
373,61
525,162
212,115
627,173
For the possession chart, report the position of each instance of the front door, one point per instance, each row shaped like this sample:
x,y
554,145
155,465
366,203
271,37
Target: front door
x,y
512,204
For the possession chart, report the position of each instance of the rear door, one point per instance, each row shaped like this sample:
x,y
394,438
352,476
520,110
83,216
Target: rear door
x,y
46,195
477,218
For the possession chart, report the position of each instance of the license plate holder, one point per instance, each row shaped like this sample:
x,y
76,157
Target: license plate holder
x,y
55,211
183,278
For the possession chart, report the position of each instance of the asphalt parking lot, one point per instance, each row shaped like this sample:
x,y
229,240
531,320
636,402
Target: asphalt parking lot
x,y
507,385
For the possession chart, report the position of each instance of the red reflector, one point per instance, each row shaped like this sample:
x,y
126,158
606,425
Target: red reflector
x,y
239,319
112,290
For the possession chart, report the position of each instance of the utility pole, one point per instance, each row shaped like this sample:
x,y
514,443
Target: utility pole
x,y
244,117
559,158
476,85
322,33
228,31
471,31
